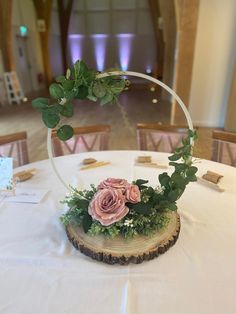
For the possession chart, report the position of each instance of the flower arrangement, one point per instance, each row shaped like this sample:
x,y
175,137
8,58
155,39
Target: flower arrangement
x,y
115,207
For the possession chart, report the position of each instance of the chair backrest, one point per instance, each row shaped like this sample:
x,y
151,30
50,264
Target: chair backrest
x,y
158,137
15,146
85,139
224,147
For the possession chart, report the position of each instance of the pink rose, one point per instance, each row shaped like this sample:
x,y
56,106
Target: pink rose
x,y
114,183
132,194
108,206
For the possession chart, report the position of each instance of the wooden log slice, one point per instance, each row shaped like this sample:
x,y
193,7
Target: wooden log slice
x,y
123,251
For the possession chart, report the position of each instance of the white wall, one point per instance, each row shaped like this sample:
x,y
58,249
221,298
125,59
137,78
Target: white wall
x,y
214,58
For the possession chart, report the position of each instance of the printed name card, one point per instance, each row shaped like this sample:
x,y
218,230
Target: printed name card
x,y
6,174
27,195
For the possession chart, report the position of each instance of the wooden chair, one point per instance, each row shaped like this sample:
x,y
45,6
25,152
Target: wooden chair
x,y
85,139
15,146
224,147
158,137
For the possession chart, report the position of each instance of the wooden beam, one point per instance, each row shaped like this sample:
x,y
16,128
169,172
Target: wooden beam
x,y
155,13
43,10
167,11
230,121
64,11
187,21
6,44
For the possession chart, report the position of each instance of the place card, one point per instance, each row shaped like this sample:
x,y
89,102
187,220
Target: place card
x,y
210,184
27,195
212,177
6,174
146,161
151,165
95,165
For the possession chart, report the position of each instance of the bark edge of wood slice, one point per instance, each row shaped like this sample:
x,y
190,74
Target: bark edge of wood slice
x,y
122,251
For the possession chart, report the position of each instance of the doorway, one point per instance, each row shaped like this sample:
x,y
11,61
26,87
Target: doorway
x,y
23,65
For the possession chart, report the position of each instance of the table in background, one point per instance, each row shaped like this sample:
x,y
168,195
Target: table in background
x,y
40,271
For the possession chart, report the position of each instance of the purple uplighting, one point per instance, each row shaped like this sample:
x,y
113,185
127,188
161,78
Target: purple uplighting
x,y
76,49
125,41
148,70
100,42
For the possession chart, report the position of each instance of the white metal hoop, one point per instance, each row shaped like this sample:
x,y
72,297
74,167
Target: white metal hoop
x,y
122,73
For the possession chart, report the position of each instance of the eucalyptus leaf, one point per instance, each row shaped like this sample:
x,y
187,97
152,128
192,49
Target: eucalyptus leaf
x,y
50,119
107,98
140,182
56,91
69,95
87,222
192,178
174,157
60,78
89,76
164,179
82,92
40,103
53,109
65,132
191,171
174,195
99,90
68,85
118,86
172,206
83,69
67,110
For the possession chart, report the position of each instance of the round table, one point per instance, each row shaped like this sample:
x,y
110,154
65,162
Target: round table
x,y
40,271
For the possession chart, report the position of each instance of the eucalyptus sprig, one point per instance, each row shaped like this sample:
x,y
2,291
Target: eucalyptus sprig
x,y
80,82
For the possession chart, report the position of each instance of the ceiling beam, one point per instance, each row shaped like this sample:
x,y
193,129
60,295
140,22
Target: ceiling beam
x,y
187,23
155,14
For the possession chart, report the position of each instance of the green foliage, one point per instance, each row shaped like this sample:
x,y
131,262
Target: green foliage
x,y
151,213
65,132
67,110
80,82
56,91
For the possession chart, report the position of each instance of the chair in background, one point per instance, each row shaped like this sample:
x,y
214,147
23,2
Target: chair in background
x,y
158,137
85,139
15,146
224,147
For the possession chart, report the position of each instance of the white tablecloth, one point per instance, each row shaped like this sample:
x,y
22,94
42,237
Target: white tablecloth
x,y
40,271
